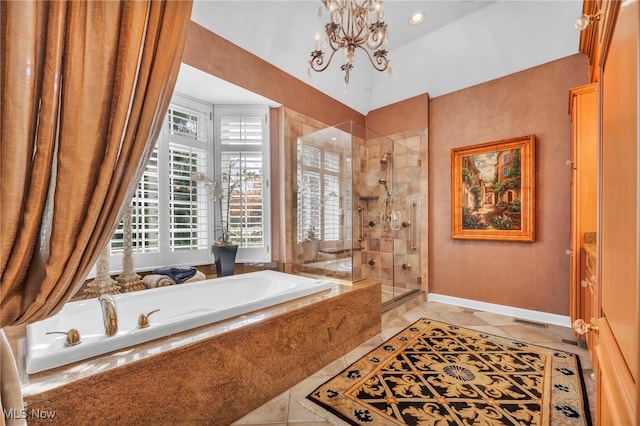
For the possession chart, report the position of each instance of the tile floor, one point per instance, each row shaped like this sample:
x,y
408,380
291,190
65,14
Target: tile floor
x,y
287,409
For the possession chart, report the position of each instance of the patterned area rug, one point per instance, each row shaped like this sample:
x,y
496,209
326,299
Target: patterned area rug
x,y
434,373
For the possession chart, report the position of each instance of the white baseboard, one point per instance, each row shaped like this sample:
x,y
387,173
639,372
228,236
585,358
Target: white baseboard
x,y
526,314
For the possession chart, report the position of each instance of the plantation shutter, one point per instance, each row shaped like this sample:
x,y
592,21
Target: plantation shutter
x,y
319,194
146,204
171,214
244,177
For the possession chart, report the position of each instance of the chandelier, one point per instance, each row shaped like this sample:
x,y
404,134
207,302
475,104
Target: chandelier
x,y
355,24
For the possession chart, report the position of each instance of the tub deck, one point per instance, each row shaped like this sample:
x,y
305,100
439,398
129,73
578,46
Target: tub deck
x,y
178,308
221,371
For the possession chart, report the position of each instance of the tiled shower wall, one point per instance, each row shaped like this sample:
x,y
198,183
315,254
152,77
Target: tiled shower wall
x,y
386,245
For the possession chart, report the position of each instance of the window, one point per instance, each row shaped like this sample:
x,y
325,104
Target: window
x,y
187,208
171,215
242,151
145,204
505,171
505,158
174,220
319,194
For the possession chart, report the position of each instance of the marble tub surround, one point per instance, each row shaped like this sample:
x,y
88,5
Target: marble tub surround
x,y
211,375
174,308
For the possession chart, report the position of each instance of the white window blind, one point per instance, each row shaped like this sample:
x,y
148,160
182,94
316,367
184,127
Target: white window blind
x,y
145,202
309,212
187,123
243,161
245,204
174,219
171,213
241,130
319,194
188,227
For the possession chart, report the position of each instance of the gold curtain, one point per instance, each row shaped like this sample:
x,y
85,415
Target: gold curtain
x,y
84,90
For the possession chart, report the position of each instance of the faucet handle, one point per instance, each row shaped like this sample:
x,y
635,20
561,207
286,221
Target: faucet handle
x,y
143,320
73,336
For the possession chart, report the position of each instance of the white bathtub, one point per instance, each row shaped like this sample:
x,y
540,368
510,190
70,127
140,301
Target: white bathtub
x,y
181,307
335,265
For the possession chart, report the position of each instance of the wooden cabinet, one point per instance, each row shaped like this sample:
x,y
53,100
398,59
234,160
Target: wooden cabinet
x,y
583,108
617,344
615,332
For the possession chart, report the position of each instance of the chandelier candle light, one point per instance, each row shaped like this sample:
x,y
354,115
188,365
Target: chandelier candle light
x,y
355,24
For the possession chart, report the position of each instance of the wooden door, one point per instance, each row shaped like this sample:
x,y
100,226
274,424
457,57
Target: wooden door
x,y
617,341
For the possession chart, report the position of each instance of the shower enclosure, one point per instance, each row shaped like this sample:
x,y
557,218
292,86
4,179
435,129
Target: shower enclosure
x,y
357,208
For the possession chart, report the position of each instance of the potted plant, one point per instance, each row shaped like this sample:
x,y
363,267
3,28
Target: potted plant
x,y
224,251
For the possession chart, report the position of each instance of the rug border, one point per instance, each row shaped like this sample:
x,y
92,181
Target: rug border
x,y
585,398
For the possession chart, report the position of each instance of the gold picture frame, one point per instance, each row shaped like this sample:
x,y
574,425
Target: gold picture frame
x,y
493,190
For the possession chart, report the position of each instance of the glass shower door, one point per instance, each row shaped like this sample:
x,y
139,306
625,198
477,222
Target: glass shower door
x,y
405,220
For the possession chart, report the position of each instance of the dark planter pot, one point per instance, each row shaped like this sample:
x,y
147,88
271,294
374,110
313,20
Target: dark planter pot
x,y
225,258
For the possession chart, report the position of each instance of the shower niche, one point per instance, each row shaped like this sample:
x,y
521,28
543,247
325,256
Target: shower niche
x,y
357,201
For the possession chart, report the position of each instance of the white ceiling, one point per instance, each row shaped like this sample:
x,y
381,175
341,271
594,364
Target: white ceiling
x,y
460,44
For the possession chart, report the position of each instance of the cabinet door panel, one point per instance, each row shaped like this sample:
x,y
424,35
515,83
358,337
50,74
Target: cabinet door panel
x,y
616,387
619,208
584,113
618,343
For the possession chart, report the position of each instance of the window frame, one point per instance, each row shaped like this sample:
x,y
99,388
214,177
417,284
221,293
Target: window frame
x,y
165,256
247,254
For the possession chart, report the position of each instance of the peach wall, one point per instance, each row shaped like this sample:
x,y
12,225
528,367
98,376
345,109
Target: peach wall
x,y
216,56
409,114
525,275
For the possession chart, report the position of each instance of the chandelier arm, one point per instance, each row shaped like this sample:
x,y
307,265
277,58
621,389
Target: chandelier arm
x,y
317,61
362,19
379,35
360,38
334,43
381,62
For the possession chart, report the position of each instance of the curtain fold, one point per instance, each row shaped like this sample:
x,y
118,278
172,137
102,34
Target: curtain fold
x,y
85,88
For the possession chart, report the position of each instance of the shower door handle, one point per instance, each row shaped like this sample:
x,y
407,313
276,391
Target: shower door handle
x,y
412,220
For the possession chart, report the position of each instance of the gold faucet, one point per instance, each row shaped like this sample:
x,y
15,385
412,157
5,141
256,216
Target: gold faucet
x,y
109,315
73,337
143,320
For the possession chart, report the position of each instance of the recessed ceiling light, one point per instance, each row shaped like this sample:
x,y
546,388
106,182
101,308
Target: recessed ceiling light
x,y
417,18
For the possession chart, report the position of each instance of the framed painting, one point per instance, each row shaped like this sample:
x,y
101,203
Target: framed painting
x,y
493,190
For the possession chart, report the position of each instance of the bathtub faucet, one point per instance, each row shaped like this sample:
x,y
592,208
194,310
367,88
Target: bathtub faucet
x,y
109,315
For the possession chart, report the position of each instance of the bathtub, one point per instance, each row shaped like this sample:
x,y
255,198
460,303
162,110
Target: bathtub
x,y
181,307
335,265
